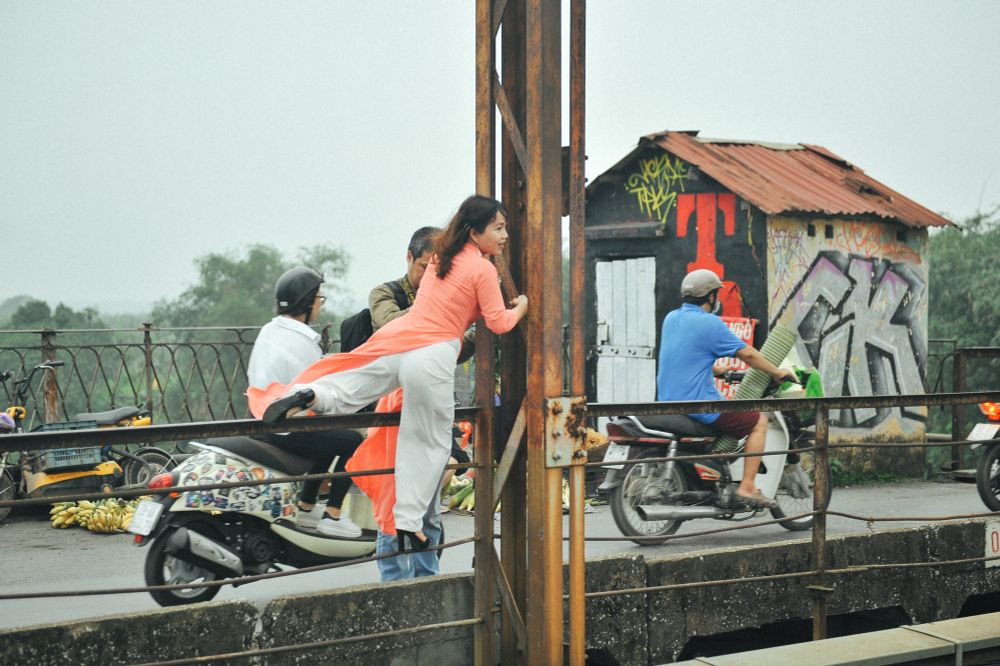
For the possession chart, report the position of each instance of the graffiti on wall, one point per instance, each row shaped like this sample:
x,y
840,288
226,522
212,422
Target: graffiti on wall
x,y
706,209
874,240
859,321
656,185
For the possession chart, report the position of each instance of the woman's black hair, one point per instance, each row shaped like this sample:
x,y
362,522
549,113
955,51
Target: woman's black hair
x,y
475,214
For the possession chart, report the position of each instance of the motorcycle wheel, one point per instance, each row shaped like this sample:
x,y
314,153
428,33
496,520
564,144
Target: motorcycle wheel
x,y
988,478
635,488
795,494
7,492
162,568
158,461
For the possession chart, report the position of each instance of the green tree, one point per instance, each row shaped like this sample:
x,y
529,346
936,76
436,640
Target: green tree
x,y
237,288
964,301
36,314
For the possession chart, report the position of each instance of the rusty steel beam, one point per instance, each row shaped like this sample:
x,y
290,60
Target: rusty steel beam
x,y
484,572
821,483
55,439
544,608
577,217
506,463
957,417
790,404
513,613
507,114
513,374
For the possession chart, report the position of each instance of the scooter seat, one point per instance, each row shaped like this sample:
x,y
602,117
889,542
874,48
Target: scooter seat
x,y
266,454
676,424
110,417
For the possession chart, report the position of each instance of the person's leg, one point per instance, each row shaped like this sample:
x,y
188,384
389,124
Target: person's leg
x,y
754,444
391,568
348,391
429,563
343,444
427,376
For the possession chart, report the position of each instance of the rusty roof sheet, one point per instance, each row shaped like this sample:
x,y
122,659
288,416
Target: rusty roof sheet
x,y
794,178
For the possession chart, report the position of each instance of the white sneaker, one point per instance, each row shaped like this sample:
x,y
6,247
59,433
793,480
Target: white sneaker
x,y
342,527
310,519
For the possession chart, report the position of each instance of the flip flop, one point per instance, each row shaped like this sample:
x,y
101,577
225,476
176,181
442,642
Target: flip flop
x,y
756,501
279,410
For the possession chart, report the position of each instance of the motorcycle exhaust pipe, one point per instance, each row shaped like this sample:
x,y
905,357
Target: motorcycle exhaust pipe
x,y
214,554
654,512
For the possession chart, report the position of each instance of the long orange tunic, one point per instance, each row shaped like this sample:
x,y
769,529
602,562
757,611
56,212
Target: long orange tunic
x,y
443,310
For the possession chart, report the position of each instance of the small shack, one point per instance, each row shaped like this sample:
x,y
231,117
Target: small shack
x,y
798,235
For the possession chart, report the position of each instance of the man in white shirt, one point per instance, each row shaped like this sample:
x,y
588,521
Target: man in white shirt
x,y
285,347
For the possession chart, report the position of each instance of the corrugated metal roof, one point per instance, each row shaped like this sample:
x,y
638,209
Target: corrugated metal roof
x,y
794,178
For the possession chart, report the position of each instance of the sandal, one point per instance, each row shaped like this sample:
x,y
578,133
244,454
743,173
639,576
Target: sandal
x,y
756,501
282,408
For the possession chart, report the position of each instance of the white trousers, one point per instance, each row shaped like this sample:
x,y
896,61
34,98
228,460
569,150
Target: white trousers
x,y
427,377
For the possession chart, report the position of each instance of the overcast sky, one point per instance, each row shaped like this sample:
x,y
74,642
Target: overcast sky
x,y
136,136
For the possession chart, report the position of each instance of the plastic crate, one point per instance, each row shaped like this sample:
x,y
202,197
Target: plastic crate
x,y
67,460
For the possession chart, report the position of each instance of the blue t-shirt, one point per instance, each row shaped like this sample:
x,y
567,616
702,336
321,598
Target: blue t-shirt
x,y
691,341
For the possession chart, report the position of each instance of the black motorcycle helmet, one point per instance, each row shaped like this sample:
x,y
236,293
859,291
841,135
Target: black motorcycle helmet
x,y
295,291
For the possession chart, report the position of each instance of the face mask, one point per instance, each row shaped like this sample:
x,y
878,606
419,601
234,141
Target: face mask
x,y
717,307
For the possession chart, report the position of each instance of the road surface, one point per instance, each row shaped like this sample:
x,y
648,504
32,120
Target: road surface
x,y
37,558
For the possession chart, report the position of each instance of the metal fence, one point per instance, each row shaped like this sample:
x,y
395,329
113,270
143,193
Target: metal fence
x,y
177,374
818,578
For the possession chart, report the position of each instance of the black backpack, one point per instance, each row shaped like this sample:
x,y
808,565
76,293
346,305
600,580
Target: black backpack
x,y
357,328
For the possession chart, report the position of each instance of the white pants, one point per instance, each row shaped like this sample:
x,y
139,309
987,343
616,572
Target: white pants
x,y
427,377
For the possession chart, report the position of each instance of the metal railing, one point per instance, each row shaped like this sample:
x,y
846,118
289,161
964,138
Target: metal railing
x,y
177,374
817,577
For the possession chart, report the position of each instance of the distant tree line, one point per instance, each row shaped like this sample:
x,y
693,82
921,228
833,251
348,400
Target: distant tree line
x,y
233,288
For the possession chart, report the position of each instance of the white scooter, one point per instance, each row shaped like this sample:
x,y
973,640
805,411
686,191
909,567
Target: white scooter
x,y
204,535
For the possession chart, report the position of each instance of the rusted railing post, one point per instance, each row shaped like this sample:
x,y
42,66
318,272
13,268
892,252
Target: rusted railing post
x,y
485,555
50,385
821,492
577,203
147,350
957,415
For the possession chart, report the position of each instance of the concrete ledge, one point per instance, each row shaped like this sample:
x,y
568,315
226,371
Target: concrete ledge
x,y
951,639
171,633
617,624
925,594
369,609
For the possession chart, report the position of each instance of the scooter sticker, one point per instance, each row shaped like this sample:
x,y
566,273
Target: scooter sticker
x,y
193,500
221,502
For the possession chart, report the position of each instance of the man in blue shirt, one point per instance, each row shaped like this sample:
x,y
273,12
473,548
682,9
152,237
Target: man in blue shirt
x,y
692,339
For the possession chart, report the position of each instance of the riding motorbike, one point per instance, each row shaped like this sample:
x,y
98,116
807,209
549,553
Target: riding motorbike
x,y
205,535
64,470
988,468
653,499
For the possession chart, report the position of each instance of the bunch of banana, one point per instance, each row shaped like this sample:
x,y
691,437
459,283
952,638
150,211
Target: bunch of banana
x,y
63,514
104,516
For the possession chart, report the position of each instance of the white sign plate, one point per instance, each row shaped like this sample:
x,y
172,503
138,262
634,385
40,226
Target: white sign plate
x,y
147,514
984,431
615,453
